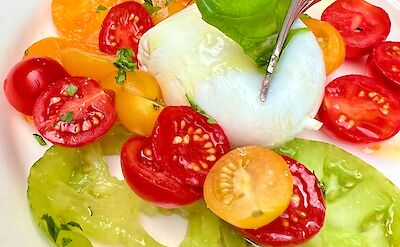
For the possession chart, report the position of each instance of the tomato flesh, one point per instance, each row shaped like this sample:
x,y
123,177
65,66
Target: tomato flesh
x,y
123,27
73,120
358,109
361,25
28,78
186,145
149,180
302,219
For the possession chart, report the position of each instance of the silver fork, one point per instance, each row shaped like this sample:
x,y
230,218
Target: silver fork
x,y
295,9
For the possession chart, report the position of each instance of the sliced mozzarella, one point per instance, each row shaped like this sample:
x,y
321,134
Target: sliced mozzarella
x,y
189,56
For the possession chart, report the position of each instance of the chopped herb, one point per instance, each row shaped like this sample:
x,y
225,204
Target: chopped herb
x,y
168,2
210,120
156,107
66,241
26,52
90,211
123,62
65,227
40,140
74,224
67,117
51,226
71,89
148,4
100,8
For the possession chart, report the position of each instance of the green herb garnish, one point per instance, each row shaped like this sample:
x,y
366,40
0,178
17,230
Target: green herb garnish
x,y
26,52
51,226
71,89
148,4
67,117
100,8
40,140
123,62
210,119
66,241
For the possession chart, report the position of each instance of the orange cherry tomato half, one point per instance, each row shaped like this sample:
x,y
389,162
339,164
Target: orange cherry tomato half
x,y
330,41
249,187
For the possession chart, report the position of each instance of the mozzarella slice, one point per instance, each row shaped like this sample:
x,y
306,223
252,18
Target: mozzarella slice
x,y
190,57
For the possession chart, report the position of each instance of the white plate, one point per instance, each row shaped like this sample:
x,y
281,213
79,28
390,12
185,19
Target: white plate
x,y
25,21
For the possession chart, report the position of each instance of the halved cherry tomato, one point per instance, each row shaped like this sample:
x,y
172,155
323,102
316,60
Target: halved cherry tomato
x,y
249,187
28,78
73,111
330,41
168,9
362,25
358,109
302,219
149,180
186,145
384,63
123,27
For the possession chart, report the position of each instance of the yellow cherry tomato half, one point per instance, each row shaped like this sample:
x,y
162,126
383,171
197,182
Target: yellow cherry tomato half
x,y
330,41
249,187
138,101
167,10
87,64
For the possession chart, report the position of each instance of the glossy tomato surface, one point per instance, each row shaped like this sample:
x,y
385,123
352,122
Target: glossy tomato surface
x,y
360,110
186,145
123,27
74,111
28,78
361,24
149,180
302,219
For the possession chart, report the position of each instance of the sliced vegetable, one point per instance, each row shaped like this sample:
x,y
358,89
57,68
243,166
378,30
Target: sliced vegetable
x,y
330,41
249,187
185,145
376,117
74,120
28,78
362,25
168,8
123,27
149,180
302,219
384,63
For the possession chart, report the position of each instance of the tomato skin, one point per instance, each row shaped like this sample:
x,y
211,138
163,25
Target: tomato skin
x,y
304,217
376,118
186,145
149,181
123,27
361,24
91,112
28,78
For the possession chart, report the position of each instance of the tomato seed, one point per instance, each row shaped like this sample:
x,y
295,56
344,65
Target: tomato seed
x,y
361,94
342,118
384,111
198,131
183,124
203,164
196,138
372,94
206,136
211,151
186,139
177,140
211,158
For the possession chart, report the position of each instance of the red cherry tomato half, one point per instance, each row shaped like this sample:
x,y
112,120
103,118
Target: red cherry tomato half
x,y
73,111
123,27
149,181
358,109
28,78
186,145
361,25
384,63
303,218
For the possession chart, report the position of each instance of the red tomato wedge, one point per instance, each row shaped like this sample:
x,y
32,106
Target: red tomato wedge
x,y
186,145
149,181
360,110
73,111
384,63
303,218
123,27
28,78
362,25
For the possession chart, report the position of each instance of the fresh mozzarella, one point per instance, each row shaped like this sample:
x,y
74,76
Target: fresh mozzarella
x,y
190,57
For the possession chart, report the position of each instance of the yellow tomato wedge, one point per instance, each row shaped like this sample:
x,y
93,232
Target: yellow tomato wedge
x,y
167,10
330,41
249,187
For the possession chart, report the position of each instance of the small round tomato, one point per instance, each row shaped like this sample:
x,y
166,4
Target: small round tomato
x,y
330,41
358,109
249,187
304,217
186,145
384,63
73,111
149,180
123,27
169,9
28,78
361,25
